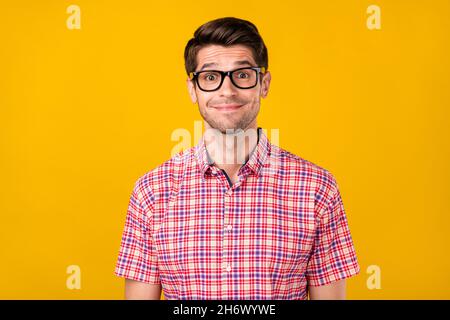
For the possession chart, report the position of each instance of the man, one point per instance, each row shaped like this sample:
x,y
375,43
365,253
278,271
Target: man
x,y
265,225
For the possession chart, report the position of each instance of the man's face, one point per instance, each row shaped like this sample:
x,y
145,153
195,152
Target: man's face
x,y
229,107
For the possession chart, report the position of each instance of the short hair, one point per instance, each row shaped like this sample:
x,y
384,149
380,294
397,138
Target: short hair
x,y
226,31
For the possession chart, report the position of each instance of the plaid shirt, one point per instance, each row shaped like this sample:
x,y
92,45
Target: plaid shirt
x,y
280,228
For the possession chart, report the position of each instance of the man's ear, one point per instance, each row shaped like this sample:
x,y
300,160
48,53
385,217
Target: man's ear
x,y
191,89
265,84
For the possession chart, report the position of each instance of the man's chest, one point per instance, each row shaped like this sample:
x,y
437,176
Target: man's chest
x,y
257,229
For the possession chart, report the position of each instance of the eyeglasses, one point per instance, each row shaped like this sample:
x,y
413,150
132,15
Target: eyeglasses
x,y
211,80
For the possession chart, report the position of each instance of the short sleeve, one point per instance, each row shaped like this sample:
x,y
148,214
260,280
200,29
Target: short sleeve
x,y
333,255
137,258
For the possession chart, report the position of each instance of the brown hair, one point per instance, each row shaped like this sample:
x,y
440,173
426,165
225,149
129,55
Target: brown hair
x,y
226,32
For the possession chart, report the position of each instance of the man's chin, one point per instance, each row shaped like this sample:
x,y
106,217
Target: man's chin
x,y
224,129
230,130
227,127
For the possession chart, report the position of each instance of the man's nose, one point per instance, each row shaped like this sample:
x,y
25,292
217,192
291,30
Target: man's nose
x,y
227,87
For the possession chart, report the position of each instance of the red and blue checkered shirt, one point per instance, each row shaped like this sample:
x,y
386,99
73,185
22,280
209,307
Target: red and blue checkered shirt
x,y
279,228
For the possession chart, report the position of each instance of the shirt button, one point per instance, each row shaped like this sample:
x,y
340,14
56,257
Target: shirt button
x,y
229,227
228,268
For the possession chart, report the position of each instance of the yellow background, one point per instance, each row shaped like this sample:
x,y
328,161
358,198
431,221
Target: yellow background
x,y
84,113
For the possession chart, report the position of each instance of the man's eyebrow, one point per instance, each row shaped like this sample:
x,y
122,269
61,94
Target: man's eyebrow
x,y
206,65
243,62
239,63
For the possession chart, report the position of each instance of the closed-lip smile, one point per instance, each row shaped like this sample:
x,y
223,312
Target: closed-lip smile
x,y
227,107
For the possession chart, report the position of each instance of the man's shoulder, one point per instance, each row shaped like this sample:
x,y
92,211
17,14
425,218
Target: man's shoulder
x,y
293,164
162,176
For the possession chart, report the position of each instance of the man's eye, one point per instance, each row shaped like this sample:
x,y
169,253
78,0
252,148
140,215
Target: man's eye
x,y
210,77
243,75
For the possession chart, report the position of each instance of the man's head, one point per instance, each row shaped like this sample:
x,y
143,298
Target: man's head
x,y
227,102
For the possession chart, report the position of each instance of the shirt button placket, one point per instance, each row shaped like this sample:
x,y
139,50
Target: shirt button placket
x,y
227,266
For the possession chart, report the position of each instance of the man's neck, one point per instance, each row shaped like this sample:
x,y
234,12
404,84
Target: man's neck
x,y
229,151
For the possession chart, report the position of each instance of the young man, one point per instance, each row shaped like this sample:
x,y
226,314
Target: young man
x,y
265,225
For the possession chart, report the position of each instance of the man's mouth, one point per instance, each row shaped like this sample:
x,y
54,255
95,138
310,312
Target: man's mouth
x,y
227,107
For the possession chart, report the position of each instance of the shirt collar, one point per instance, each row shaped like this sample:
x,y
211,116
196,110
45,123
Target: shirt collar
x,y
254,163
